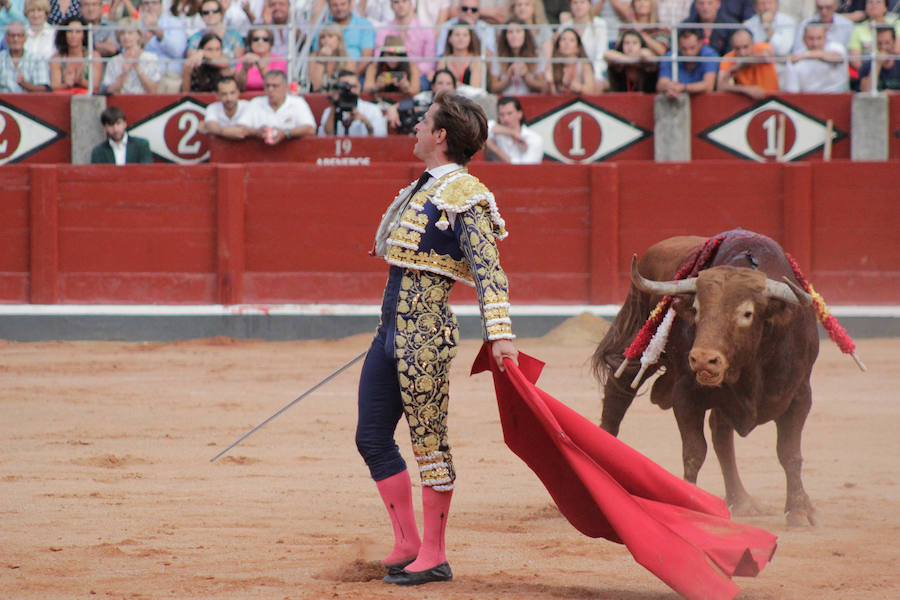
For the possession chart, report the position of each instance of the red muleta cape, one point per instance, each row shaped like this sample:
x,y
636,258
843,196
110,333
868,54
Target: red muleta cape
x,y
677,531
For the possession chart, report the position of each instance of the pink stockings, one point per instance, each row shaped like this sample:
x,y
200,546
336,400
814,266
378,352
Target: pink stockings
x,y
396,492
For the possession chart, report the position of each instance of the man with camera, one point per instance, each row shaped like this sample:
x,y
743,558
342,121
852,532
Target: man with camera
x,y
348,115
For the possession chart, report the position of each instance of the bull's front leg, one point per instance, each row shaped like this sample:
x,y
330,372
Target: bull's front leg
x,y
798,509
736,497
617,397
693,443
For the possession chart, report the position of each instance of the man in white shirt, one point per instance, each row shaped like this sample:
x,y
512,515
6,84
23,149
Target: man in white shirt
x,y
223,118
353,117
277,116
775,28
838,27
510,140
821,67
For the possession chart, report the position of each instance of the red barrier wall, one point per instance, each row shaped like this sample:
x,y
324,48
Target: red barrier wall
x,y
34,128
273,233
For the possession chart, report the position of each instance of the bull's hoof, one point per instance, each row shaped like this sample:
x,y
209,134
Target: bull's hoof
x,y
800,517
746,506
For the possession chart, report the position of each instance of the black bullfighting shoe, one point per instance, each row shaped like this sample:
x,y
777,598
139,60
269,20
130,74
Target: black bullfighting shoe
x,y
397,568
441,572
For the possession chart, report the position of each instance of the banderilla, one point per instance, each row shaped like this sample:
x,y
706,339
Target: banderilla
x,y
290,404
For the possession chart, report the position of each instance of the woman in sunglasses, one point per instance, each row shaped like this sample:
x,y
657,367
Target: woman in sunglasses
x,y
258,61
213,14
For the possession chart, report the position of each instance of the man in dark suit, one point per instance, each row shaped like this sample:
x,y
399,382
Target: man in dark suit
x,y
119,148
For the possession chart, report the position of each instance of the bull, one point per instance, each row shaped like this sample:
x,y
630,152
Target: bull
x,y
742,346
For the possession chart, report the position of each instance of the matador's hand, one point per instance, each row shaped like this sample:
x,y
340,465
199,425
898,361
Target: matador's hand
x,y
501,349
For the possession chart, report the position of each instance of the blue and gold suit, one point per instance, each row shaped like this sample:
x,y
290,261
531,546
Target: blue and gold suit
x,y
442,234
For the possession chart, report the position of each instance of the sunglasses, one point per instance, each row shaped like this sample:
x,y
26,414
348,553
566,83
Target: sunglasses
x,y
211,11
471,9
260,38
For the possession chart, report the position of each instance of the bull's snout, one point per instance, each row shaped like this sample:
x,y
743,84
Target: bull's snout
x,y
708,365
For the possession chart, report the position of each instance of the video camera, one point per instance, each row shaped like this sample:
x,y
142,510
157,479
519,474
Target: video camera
x,y
409,114
345,101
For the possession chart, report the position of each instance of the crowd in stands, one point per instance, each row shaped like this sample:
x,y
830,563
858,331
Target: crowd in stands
x,y
394,50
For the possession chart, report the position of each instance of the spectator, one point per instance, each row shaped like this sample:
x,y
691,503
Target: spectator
x,y
433,13
63,10
494,12
104,33
164,36
693,77
510,140
821,67
672,12
11,11
134,70
738,10
776,28
469,12
203,70
838,28
416,37
613,12
855,10
404,115
710,12
236,15
532,14
555,9
395,73
71,68
258,61
630,64
188,12
348,115
277,14
510,77
119,147
40,35
645,19
212,14
19,71
223,117
359,35
378,12
888,68
592,31
861,41
462,56
118,9
754,79
322,69
276,116
570,70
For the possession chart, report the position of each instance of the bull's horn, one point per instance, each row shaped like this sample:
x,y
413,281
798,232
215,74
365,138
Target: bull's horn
x,y
661,288
787,291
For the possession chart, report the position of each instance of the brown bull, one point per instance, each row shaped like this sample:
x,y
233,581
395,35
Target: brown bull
x,y
742,347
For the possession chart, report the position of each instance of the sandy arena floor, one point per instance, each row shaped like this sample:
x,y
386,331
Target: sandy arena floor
x,y
106,489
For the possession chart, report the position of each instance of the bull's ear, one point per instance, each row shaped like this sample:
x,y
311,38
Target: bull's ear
x,y
779,312
684,307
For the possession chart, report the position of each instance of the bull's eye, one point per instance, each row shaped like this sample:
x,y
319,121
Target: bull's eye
x,y
744,314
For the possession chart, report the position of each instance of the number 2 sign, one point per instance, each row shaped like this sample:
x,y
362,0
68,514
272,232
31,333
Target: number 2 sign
x,y
174,133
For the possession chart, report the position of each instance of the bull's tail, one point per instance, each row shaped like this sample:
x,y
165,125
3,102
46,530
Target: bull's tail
x,y
610,352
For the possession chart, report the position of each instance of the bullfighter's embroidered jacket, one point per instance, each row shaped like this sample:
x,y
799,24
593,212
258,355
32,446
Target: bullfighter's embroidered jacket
x,y
424,240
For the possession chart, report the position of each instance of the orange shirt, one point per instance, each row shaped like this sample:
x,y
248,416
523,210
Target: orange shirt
x,y
759,74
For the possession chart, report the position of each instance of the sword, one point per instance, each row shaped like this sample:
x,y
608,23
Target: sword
x,y
290,404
